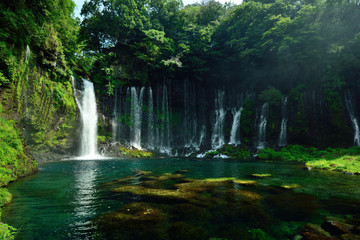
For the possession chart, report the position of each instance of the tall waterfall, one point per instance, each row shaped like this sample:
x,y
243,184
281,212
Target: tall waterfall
x,y
191,135
165,123
88,113
235,136
262,122
283,130
136,117
218,138
354,120
150,130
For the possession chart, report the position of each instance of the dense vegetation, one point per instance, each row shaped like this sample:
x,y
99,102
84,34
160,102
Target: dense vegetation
x,y
39,51
304,50
338,159
283,44
274,48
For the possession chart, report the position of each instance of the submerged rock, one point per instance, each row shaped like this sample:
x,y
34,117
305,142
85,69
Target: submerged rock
x,y
349,236
315,236
136,220
337,228
156,193
182,231
245,182
290,186
261,175
314,228
291,206
190,212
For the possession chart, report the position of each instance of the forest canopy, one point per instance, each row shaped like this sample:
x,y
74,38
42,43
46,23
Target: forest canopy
x,y
257,44
282,44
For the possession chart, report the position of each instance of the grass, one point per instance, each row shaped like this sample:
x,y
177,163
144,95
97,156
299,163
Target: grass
x,y
336,159
345,163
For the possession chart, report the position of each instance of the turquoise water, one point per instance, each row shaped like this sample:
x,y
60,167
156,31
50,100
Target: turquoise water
x,y
65,199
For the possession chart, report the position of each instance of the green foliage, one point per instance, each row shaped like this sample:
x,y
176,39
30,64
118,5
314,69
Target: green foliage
x,y
259,234
11,152
271,95
211,154
5,197
338,159
7,232
231,151
46,26
345,163
136,153
4,81
246,119
101,139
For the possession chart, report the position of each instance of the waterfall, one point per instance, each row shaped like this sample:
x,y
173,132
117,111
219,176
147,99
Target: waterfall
x,y
262,122
350,108
115,118
192,140
283,131
88,113
165,123
27,52
136,117
217,138
150,132
234,136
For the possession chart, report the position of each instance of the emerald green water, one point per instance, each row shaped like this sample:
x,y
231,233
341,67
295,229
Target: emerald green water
x,y
65,199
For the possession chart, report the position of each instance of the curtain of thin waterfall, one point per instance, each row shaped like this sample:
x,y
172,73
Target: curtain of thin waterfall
x,y
261,125
284,120
150,119
235,134
218,138
354,120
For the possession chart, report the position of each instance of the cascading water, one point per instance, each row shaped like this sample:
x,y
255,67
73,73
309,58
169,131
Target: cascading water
x,y
217,138
136,117
235,136
192,140
88,113
262,122
150,130
283,130
165,123
350,108
115,118
27,52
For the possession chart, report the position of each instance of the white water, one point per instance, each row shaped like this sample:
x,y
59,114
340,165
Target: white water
x,y
114,120
165,128
27,52
350,108
217,138
283,130
136,117
89,118
262,126
235,136
150,132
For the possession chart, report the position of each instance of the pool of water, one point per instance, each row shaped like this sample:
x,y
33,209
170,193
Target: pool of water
x,y
75,199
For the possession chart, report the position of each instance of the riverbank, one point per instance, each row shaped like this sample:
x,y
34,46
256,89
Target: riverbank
x,y
334,159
